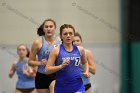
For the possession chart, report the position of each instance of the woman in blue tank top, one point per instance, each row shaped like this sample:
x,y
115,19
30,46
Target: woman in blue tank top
x,y
92,69
41,48
25,83
66,61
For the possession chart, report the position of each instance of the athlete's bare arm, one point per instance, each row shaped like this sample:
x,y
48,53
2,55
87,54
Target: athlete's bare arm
x,y
84,61
37,44
52,57
50,68
12,70
33,70
91,62
28,72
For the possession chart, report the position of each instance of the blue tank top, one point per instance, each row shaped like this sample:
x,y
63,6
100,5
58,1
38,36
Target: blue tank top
x,y
71,74
44,53
24,81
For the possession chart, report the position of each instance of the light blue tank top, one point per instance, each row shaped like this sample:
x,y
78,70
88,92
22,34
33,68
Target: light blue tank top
x,y
24,81
44,53
85,80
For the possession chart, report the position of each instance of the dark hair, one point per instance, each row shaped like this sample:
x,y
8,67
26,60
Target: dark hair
x,y
77,34
66,26
40,31
27,49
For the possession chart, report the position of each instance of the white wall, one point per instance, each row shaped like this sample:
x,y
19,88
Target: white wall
x,y
97,20
107,60
7,85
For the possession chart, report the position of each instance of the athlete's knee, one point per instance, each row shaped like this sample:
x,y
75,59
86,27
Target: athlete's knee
x,y
52,84
34,91
88,91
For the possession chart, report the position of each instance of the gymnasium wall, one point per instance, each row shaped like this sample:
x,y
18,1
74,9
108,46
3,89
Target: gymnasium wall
x,y
98,21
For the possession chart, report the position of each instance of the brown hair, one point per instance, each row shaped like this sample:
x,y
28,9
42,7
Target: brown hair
x,y
40,31
66,26
77,34
27,49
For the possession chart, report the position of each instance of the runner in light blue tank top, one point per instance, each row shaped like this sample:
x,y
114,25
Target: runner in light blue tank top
x,y
44,53
24,81
41,49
